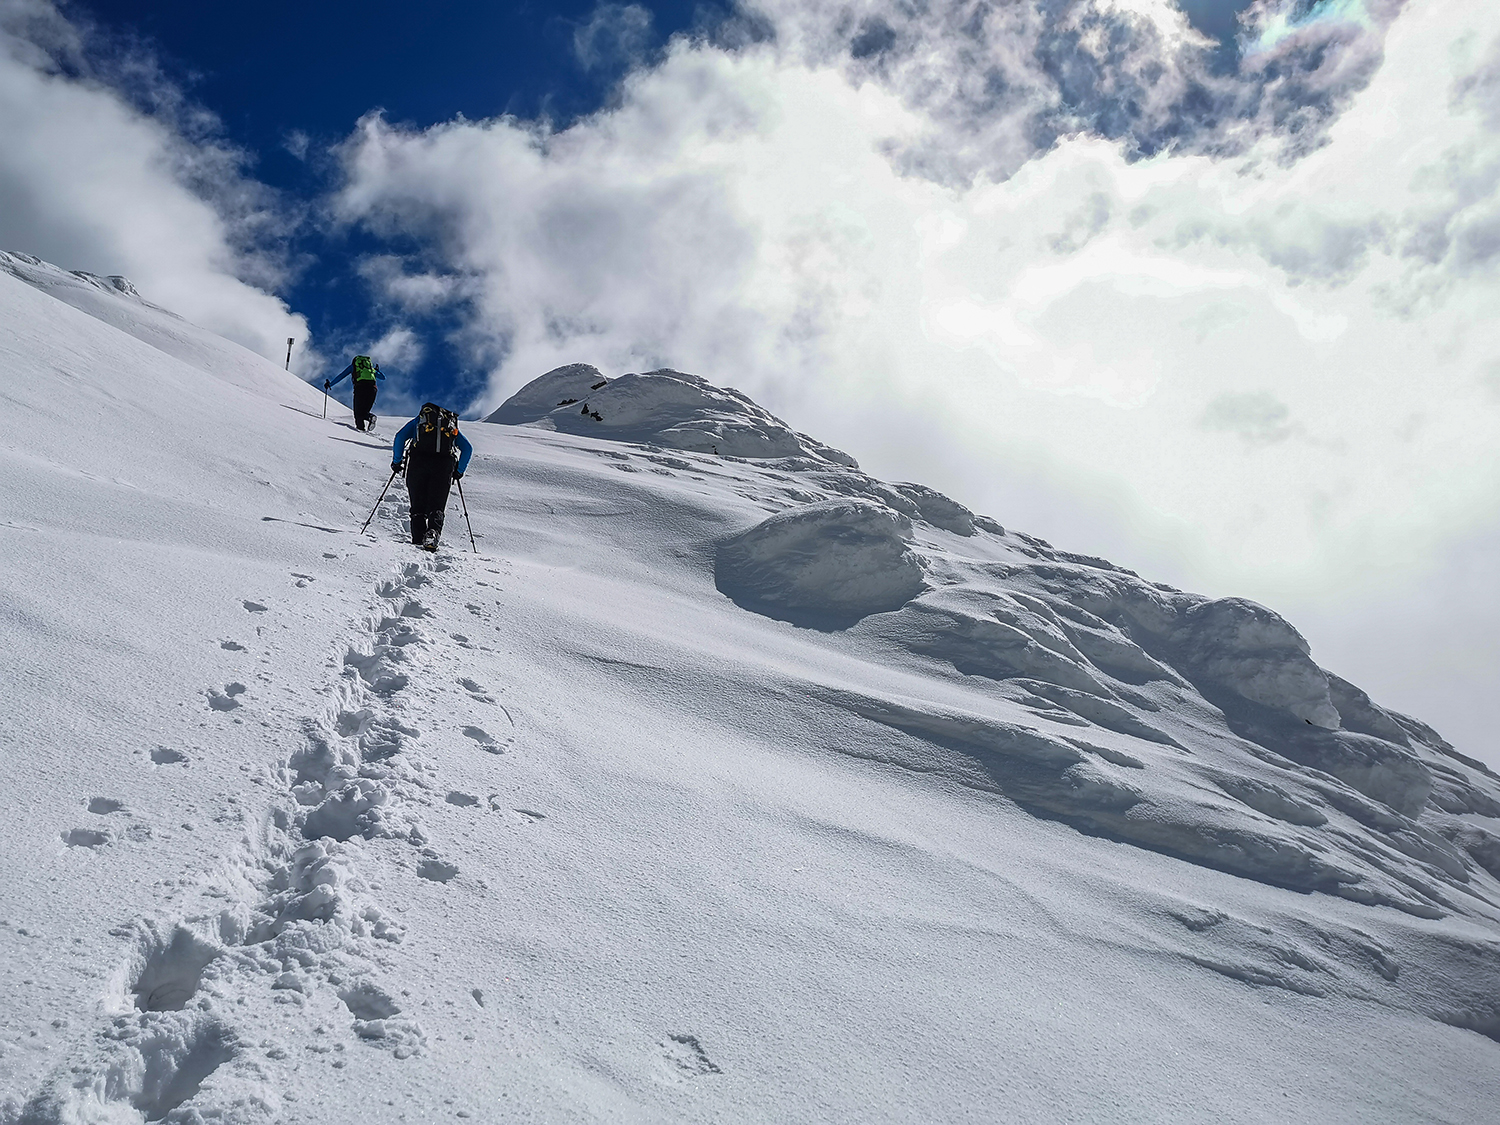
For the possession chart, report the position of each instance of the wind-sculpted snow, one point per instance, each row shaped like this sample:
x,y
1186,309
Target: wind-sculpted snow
x,y
836,562
1197,727
667,408
1200,728
710,780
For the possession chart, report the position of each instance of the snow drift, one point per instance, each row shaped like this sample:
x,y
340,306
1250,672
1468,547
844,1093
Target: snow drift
x,y
835,561
736,784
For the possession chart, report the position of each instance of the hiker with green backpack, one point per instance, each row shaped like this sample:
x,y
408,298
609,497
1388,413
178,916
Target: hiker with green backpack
x,y
365,373
434,455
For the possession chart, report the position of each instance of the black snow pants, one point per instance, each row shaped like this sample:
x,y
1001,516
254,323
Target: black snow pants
x,y
428,479
364,398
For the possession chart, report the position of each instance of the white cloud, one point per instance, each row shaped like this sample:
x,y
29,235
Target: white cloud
x,y
1047,342
297,143
410,292
90,181
616,36
400,347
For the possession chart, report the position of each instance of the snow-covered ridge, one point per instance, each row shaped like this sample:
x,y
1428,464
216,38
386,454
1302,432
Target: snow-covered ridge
x,y
1198,727
667,408
115,301
44,275
715,786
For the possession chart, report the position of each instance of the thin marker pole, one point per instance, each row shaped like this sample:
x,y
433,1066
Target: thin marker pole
x,y
465,503
377,503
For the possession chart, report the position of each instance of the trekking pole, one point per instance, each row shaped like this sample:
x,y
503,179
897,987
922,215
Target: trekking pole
x,y
325,398
377,503
465,503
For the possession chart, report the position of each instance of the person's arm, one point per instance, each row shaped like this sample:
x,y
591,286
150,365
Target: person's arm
x,y
465,451
344,374
398,446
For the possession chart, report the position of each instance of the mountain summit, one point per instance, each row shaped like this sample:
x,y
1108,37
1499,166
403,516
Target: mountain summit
x,y
666,408
724,781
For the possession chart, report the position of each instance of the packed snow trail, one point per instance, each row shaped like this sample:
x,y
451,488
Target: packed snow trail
x,y
602,824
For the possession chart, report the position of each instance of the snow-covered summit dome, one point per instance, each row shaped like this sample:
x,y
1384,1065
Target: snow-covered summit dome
x,y
664,407
44,275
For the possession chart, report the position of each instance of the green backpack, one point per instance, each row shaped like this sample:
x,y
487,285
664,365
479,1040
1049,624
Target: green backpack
x,y
363,368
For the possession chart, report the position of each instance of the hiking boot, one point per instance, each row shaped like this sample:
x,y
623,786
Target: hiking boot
x,y
430,540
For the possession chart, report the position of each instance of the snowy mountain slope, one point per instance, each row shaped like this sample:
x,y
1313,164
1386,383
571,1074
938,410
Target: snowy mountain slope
x,y
115,301
711,789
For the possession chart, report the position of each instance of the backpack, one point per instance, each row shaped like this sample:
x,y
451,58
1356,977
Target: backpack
x,y
436,430
363,368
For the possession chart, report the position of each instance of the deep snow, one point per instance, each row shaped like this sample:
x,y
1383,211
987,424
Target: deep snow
x,y
727,786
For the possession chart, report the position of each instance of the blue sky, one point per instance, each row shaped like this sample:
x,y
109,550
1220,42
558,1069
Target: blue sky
x,y
278,74
271,68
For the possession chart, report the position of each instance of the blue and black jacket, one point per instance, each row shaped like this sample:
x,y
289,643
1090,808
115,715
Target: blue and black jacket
x,y
409,431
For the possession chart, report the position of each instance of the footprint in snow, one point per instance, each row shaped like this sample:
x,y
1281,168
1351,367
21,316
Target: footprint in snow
x,y
164,756
367,1001
482,736
437,870
530,816
225,700
687,1056
254,607
476,691
171,965
462,800
84,838
103,806
350,724
231,646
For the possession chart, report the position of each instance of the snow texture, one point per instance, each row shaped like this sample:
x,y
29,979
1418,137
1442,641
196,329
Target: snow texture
x,y
667,408
835,561
731,786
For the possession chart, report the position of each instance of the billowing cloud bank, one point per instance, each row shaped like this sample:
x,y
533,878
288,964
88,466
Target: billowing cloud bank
x,y
1056,248
1312,332
96,179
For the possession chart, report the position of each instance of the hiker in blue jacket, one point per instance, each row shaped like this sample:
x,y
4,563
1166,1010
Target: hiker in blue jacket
x,y
365,373
428,446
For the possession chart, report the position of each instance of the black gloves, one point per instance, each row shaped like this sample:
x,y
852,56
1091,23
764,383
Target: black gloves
x,y
457,475
395,467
